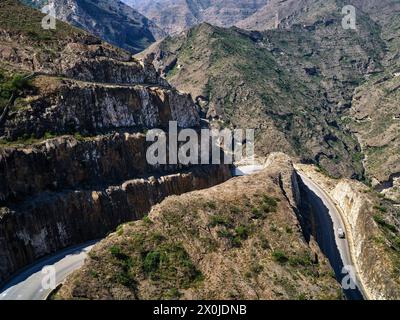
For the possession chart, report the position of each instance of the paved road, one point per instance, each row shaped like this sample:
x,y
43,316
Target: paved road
x,y
246,170
328,220
28,284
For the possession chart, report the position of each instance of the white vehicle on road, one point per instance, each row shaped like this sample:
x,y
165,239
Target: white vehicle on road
x,y
341,233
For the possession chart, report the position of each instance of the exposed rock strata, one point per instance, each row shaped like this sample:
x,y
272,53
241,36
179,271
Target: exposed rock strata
x,y
70,107
66,162
54,220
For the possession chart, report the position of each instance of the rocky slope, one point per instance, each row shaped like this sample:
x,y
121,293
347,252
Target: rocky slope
x,y
284,14
373,228
174,16
112,21
72,138
375,120
375,113
292,85
213,244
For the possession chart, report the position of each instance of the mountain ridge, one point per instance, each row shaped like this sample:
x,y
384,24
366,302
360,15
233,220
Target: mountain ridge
x,y
113,22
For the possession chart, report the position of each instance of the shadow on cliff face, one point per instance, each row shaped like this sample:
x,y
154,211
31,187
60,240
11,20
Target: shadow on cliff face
x,y
47,223
316,222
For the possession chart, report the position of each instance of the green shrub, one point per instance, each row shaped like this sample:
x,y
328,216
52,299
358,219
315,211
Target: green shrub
x,y
279,256
269,204
173,294
256,269
396,243
19,82
152,262
288,230
211,205
120,230
256,213
242,232
15,83
234,240
236,210
126,279
303,260
157,237
218,220
380,221
117,253
224,234
381,209
273,228
170,263
147,220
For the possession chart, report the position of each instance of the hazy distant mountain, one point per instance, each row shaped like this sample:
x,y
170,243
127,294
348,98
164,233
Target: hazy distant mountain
x,y
112,21
177,15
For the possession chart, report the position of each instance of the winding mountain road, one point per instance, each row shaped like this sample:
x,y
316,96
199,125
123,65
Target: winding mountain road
x,y
28,284
329,220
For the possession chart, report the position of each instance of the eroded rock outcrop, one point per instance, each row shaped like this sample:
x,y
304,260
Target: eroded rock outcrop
x,y
378,275
70,107
67,162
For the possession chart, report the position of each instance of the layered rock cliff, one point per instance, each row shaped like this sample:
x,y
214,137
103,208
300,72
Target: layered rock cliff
x,y
72,138
44,223
70,106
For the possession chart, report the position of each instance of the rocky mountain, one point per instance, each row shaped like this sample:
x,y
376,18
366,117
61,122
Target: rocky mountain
x,y
74,112
283,14
288,86
112,21
314,86
213,244
174,16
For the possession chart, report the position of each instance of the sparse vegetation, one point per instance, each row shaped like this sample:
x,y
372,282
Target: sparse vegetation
x,y
216,220
381,221
280,256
